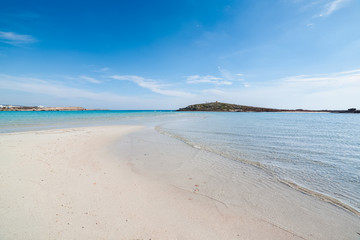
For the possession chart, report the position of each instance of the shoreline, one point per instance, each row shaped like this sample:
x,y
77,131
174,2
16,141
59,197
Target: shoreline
x,y
130,182
241,186
289,183
321,196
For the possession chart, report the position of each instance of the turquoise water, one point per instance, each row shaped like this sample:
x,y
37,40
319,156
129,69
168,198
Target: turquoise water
x,y
316,151
28,121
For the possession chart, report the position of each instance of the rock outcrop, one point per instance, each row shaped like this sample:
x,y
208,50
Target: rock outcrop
x,y
226,107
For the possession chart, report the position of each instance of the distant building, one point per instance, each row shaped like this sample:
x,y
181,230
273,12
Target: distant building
x,y
6,106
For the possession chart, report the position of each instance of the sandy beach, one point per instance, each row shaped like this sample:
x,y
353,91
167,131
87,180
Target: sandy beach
x,y
129,182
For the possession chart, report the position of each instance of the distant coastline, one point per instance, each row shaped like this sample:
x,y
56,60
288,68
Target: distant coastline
x,y
227,107
42,108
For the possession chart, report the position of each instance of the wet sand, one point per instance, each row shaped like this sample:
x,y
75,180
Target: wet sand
x,y
127,182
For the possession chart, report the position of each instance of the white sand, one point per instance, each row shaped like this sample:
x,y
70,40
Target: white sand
x,y
82,184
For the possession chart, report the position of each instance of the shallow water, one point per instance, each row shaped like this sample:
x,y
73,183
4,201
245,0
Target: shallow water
x,y
317,152
234,188
29,121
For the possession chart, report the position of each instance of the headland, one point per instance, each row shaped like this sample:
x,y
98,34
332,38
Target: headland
x,y
227,107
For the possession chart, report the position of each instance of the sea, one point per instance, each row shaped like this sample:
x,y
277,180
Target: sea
x,y
316,153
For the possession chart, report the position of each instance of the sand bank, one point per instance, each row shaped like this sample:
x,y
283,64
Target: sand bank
x,y
126,182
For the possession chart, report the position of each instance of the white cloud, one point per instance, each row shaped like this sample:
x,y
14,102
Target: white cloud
x,y
226,78
90,79
339,90
347,72
53,93
333,6
101,70
214,92
16,39
44,87
195,79
323,8
338,79
333,91
152,85
226,74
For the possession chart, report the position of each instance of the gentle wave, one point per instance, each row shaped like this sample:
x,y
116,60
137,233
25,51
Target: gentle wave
x,y
291,184
209,149
319,162
320,196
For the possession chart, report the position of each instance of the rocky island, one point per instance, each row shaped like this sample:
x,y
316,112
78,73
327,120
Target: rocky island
x,y
227,107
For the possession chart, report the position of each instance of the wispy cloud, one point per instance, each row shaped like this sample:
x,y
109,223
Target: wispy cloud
x,y
16,39
318,91
152,85
102,70
46,87
56,93
226,74
338,90
214,92
327,80
332,6
90,79
321,8
195,79
226,78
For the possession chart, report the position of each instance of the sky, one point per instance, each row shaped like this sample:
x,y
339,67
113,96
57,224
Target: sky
x,y
161,54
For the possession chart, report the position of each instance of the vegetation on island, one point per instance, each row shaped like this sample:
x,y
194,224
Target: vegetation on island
x,y
227,107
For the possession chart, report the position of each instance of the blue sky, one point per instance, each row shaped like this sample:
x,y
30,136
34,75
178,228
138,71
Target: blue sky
x,y
168,54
